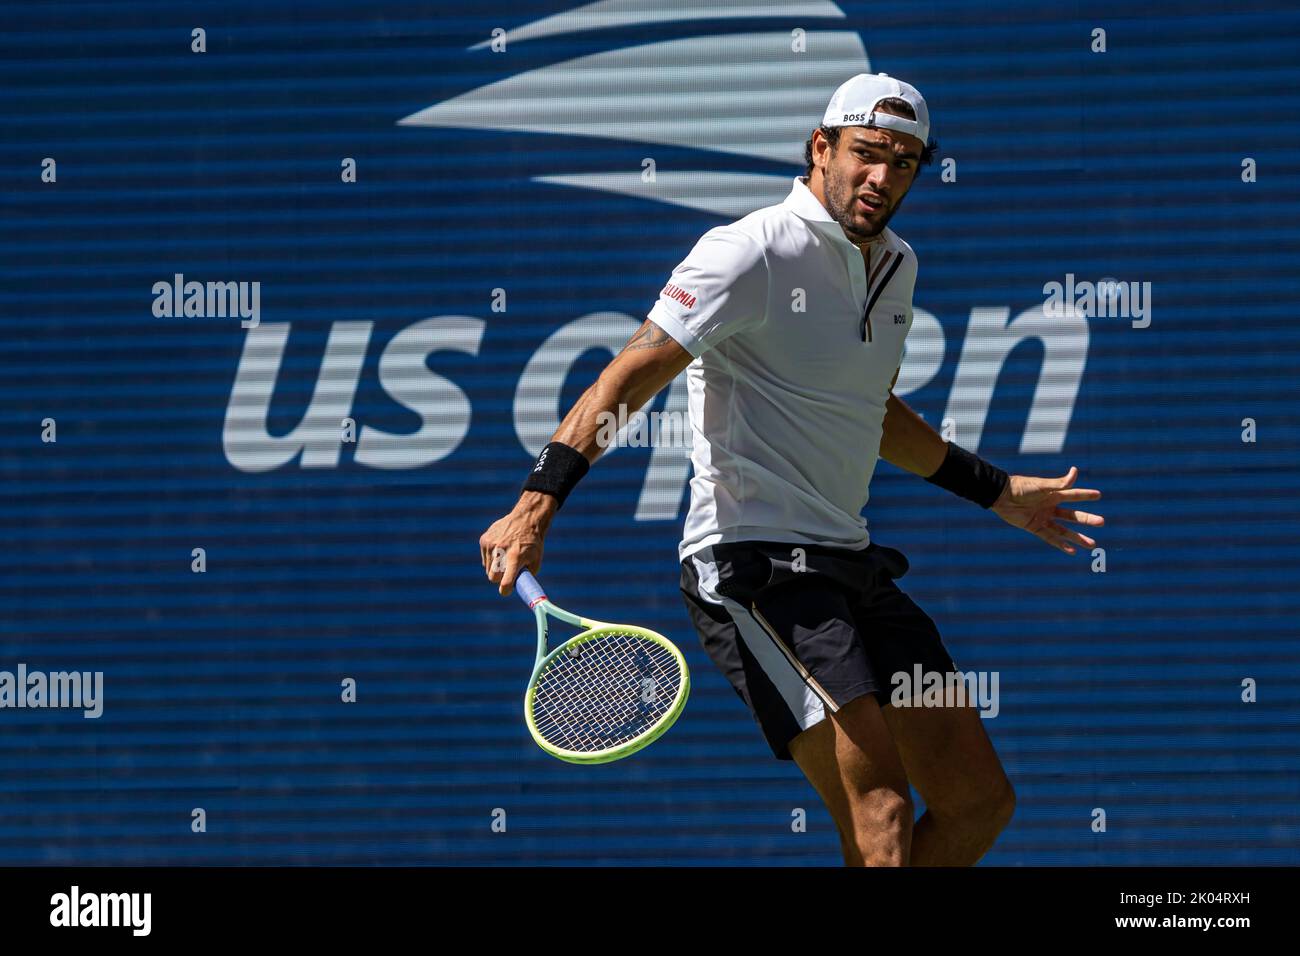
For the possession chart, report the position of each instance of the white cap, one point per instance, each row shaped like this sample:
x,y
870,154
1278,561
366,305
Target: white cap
x,y
854,104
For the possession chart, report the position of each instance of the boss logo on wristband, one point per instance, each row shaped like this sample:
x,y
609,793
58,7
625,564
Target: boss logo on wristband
x,y
558,470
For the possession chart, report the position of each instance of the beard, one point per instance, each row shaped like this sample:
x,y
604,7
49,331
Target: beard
x,y
842,204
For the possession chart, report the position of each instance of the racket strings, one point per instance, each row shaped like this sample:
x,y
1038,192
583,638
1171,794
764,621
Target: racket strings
x,y
605,691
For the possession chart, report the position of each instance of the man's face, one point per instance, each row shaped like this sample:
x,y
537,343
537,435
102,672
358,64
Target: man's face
x,y
866,177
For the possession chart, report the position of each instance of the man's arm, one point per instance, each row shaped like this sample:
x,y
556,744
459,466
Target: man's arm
x,y
650,360
907,440
1036,505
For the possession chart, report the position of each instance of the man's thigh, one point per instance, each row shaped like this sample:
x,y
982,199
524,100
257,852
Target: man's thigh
x,y
852,763
948,756
849,753
945,749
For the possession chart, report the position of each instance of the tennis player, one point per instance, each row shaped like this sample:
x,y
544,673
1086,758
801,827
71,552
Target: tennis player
x,y
790,325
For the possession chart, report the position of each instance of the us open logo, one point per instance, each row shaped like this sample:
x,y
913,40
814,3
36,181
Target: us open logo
x,y
635,94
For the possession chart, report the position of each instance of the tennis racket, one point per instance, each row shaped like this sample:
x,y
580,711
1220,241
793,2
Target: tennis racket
x,y
602,694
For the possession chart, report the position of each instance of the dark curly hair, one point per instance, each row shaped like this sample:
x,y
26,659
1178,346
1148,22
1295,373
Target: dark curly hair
x,y
894,105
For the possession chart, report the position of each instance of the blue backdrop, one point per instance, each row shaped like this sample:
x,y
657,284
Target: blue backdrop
x,y
514,213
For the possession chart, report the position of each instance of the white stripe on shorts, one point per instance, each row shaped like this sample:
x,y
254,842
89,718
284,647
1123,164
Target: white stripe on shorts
x,y
805,700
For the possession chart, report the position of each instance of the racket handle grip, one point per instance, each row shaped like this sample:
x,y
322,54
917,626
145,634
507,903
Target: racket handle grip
x,y
529,591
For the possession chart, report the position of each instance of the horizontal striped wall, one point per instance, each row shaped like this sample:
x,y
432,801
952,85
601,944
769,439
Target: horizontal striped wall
x,y
523,171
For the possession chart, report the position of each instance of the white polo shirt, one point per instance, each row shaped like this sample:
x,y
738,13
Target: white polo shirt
x,y
787,399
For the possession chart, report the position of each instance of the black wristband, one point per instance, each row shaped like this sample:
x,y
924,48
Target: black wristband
x,y
970,476
559,468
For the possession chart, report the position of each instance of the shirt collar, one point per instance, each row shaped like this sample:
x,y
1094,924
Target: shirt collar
x,y
805,205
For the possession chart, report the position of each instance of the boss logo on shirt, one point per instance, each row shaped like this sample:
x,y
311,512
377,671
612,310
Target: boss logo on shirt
x,y
678,294
900,319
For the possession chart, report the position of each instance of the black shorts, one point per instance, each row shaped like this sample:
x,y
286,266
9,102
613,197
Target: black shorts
x,y
801,630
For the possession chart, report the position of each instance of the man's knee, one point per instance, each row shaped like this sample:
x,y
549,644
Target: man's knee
x,y
882,828
987,807
884,809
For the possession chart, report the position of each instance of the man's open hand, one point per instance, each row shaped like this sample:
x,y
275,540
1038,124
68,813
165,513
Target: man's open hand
x,y
1039,505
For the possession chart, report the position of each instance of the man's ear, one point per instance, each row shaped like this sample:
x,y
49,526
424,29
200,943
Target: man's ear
x,y
830,147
